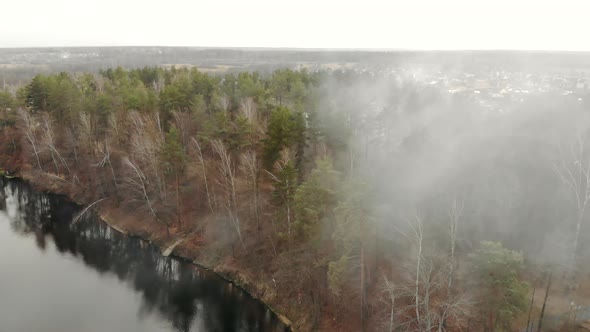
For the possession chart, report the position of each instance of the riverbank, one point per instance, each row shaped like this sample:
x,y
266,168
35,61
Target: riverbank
x,y
177,243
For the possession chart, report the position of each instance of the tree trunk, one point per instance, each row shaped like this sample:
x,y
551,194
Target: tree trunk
x,y
417,281
288,219
363,318
576,238
256,212
203,169
528,322
544,302
36,154
178,203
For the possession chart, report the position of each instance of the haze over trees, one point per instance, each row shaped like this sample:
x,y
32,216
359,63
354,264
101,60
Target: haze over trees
x,y
365,201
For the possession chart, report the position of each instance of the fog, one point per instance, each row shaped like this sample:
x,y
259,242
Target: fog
x,y
411,191
416,166
422,147
505,151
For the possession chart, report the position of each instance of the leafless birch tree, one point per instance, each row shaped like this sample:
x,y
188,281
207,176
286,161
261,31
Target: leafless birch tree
x,y
146,144
48,140
573,169
251,167
228,183
433,301
138,183
249,111
29,127
201,160
105,153
86,131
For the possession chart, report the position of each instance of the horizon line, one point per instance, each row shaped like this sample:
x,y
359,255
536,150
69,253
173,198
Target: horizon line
x,y
324,49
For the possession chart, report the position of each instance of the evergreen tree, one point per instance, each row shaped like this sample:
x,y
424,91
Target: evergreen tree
x,y
496,273
285,130
316,198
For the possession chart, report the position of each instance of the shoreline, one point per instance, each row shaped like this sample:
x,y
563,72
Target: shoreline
x,y
236,278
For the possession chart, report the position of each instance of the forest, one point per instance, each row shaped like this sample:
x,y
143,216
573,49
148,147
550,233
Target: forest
x,y
349,200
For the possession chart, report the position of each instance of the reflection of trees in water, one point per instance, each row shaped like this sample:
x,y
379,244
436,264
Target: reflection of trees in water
x,y
187,296
26,214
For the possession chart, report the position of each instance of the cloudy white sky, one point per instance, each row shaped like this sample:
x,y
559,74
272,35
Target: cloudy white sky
x,y
393,24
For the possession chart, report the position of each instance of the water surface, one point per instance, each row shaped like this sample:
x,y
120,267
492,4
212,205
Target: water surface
x,y
56,276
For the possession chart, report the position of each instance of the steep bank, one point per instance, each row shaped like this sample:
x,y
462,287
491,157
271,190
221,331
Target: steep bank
x,y
177,245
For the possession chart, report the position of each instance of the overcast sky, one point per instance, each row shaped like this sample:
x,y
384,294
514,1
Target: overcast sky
x,y
407,24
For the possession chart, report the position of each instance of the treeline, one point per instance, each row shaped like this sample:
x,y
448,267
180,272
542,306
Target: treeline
x,y
129,133
362,200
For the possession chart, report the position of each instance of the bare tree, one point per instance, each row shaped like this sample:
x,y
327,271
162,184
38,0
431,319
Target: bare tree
x,y
249,110
182,122
29,127
396,317
138,183
459,308
389,289
431,281
48,139
436,307
542,315
86,131
251,167
418,236
115,128
455,213
228,183
201,159
73,142
106,160
146,144
574,170
528,322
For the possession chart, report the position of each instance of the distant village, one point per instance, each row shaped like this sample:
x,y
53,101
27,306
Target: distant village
x,y
498,89
494,83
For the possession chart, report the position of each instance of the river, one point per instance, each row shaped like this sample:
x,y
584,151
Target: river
x,y
57,276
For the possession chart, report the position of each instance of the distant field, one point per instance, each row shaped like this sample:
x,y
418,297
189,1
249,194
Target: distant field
x,y
327,66
19,65
207,69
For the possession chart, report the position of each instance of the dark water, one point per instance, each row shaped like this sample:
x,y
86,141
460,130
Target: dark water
x,y
60,277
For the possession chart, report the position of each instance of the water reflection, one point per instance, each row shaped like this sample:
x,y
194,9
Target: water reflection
x,y
179,295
